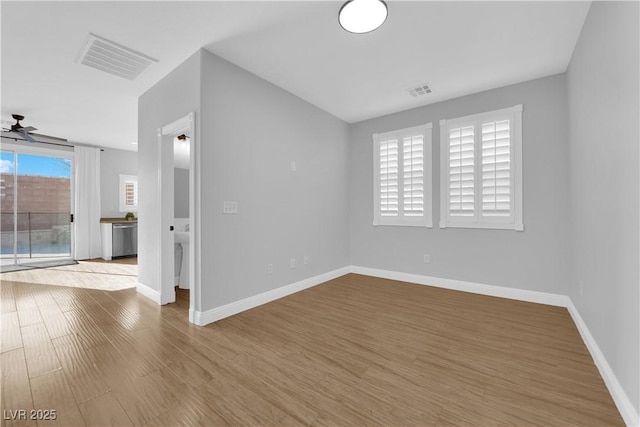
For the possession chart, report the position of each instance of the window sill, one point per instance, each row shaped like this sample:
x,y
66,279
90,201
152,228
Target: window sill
x,y
483,225
428,224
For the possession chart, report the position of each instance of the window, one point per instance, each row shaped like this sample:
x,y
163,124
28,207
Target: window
x,y
481,170
128,193
402,177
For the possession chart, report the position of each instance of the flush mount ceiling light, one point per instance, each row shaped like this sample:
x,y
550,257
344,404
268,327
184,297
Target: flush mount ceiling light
x,y
362,16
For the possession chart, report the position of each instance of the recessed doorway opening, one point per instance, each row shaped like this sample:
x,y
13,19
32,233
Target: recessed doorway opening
x,y
178,266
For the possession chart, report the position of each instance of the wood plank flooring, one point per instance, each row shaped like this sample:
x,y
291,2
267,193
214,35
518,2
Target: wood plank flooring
x,y
354,351
118,274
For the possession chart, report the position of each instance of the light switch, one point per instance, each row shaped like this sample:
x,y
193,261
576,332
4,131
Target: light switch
x,y
293,166
229,207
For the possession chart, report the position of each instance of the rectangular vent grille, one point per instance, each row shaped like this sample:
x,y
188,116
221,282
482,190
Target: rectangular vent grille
x,y
113,58
419,90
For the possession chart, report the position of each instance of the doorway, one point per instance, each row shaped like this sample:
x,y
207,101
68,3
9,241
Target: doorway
x,y
179,225
36,197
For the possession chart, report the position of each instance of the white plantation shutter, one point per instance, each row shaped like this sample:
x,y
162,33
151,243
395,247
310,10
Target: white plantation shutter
x,y
461,171
413,175
402,177
389,178
128,193
481,170
496,169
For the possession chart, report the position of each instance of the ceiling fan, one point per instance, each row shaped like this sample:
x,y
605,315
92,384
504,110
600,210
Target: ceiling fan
x,y
20,130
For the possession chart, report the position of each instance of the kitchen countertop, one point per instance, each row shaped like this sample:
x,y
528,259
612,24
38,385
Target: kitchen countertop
x,y
116,220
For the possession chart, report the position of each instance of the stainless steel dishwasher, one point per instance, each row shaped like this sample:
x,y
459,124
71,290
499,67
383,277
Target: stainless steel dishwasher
x,y
125,239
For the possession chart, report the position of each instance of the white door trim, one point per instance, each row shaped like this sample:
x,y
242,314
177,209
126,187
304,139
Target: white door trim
x,y
165,263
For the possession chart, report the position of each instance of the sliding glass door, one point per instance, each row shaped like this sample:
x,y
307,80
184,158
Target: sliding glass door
x,y
35,197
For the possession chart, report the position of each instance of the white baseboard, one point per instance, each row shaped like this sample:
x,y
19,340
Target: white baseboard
x,y
459,285
215,314
620,398
148,292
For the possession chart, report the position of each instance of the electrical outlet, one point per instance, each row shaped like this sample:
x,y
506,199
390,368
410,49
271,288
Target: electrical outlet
x,y
292,263
306,259
270,268
581,286
229,207
426,259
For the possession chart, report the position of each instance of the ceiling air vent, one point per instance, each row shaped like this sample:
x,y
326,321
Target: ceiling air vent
x,y
419,90
113,58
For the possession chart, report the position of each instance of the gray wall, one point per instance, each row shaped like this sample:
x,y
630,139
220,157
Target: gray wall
x,y
535,259
180,193
114,163
602,85
252,131
172,98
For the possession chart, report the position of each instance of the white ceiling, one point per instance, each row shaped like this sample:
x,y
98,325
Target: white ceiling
x,y
457,48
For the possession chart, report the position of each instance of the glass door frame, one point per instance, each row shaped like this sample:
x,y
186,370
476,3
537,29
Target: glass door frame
x,y
36,149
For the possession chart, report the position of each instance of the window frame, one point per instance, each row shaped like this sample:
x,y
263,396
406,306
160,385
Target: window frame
x,y
124,179
514,221
425,220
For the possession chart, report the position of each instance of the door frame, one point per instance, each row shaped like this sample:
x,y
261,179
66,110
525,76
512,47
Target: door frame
x,y
165,265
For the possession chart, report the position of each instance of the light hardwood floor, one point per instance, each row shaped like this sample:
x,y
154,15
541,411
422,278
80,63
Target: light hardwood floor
x,y
351,352
113,275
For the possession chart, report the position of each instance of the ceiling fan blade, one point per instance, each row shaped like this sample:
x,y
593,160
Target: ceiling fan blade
x,y
16,135
29,129
28,137
24,135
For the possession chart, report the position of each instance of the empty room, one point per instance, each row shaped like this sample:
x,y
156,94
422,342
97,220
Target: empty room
x,y
346,213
